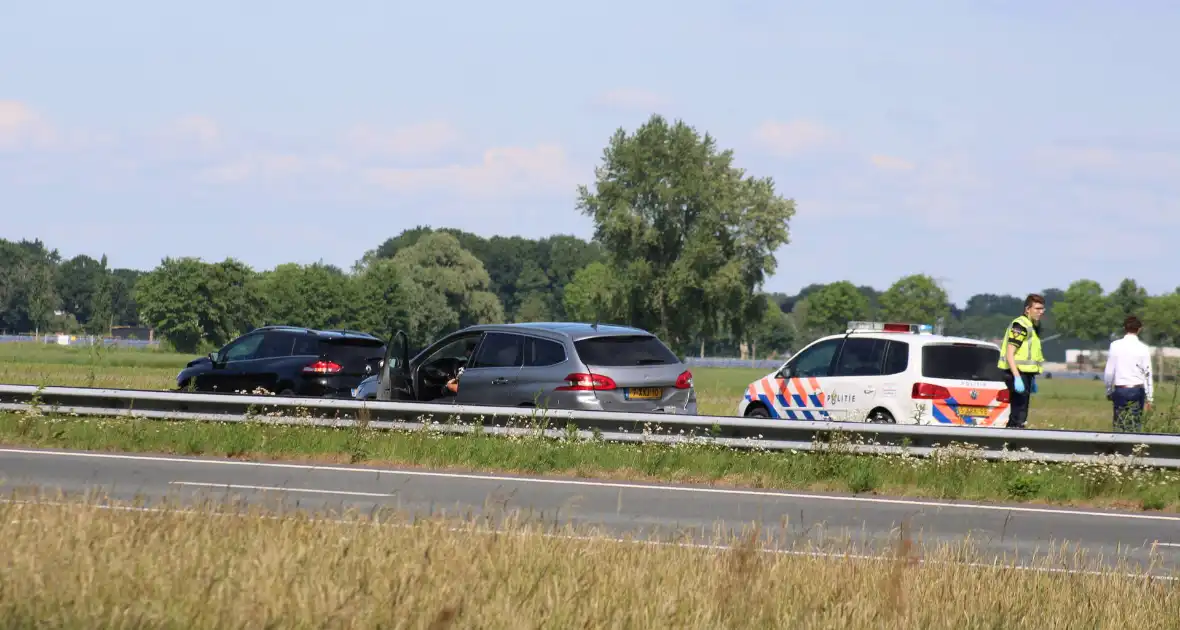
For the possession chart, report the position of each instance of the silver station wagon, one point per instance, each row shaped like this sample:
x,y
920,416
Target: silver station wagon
x,y
593,367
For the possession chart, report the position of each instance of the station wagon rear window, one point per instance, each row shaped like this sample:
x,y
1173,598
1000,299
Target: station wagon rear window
x,y
624,350
969,362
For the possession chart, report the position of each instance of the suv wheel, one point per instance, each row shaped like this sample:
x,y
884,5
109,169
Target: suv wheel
x,y
880,416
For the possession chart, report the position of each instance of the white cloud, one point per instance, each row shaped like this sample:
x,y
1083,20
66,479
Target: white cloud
x,y
202,131
418,140
891,163
503,172
631,98
792,137
269,166
1129,164
22,127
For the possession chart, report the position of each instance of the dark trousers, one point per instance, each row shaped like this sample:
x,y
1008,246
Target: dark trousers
x,y
1018,409
1128,408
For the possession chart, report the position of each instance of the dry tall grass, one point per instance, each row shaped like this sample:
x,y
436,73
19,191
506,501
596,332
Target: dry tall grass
x,y
77,565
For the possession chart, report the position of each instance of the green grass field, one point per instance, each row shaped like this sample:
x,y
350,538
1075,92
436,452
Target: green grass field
x,y
1060,404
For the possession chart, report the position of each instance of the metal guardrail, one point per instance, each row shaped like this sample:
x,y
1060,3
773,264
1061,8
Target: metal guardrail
x,y
1161,451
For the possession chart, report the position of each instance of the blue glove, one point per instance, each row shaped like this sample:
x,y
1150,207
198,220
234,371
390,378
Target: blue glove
x,y
1034,385
1018,383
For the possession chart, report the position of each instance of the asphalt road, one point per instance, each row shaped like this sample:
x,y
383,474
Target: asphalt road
x,y
786,519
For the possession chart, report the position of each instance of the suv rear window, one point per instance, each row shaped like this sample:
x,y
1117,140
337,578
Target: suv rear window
x,y
961,362
351,352
628,350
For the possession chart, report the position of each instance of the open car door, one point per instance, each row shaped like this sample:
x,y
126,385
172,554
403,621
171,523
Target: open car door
x,y
393,382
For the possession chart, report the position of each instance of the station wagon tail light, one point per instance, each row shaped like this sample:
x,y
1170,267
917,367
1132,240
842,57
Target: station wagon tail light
x,y
1004,396
322,367
581,382
926,391
684,381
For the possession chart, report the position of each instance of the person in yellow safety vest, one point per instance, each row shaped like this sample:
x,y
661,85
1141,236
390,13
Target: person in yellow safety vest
x,y
1021,358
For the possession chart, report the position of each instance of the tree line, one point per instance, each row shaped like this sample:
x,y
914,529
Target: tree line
x,y
683,242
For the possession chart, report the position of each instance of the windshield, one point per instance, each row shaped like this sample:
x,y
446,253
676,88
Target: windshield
x,y
969,362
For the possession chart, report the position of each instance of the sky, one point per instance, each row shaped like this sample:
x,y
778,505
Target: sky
x,y
999,146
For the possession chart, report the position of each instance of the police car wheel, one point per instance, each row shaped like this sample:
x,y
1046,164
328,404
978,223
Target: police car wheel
x,y
880,416
758,412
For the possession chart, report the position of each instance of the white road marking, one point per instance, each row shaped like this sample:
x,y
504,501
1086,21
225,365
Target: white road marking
x,y
1160,544
232,486
824,555
603,484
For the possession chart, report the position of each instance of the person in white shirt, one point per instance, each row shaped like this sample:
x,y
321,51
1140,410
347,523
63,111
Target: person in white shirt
x,y
1128,377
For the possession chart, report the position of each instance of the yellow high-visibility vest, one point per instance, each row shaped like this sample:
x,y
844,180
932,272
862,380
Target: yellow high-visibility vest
x,y
1028,355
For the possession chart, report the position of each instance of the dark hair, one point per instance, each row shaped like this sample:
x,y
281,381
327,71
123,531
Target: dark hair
x,y
1132,324
1034,298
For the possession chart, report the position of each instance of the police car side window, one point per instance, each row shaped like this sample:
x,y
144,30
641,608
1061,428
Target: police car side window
x,y
897,357
816,360
861,357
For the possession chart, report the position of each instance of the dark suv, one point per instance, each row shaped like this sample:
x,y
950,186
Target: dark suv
x,y
287,361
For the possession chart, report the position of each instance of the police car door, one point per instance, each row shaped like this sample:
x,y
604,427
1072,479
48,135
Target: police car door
x,y
857,378
801,385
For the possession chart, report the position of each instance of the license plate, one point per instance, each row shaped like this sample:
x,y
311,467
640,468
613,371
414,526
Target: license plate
x,y
645,393
973,412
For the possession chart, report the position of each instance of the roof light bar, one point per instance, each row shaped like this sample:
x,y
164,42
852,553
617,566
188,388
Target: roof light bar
x,y
901,327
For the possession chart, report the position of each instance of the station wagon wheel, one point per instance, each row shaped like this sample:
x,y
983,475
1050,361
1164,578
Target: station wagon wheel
x,y
880,416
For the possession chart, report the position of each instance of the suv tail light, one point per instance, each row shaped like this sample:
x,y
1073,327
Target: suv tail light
x,y
581,382
322,367
684,381
926,391
1004,396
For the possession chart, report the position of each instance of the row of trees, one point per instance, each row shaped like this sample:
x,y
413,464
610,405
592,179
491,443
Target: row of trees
x,y
683,242
1082,316
40,291
429,282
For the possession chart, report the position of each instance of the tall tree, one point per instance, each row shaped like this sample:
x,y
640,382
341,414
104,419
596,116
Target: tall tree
x,y
76,281
315,295
916,298
1161,318
123,306
192,303
439,264
1128,298
828,310
388,299
28,292
172,301
1085,312
102,301
590,296
690,238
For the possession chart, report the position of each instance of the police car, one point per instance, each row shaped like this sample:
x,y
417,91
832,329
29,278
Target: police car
x,y
896,373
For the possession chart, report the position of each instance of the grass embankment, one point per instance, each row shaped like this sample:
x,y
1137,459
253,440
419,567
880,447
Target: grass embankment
x,y
954,474
79,566
1060,403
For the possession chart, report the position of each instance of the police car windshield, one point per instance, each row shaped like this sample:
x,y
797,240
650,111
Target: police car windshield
x,y
963,361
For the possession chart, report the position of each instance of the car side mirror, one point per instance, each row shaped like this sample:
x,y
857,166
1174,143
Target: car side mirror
x,y
213,358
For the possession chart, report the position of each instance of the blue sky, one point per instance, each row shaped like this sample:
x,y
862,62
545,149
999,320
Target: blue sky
x,y
916,137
